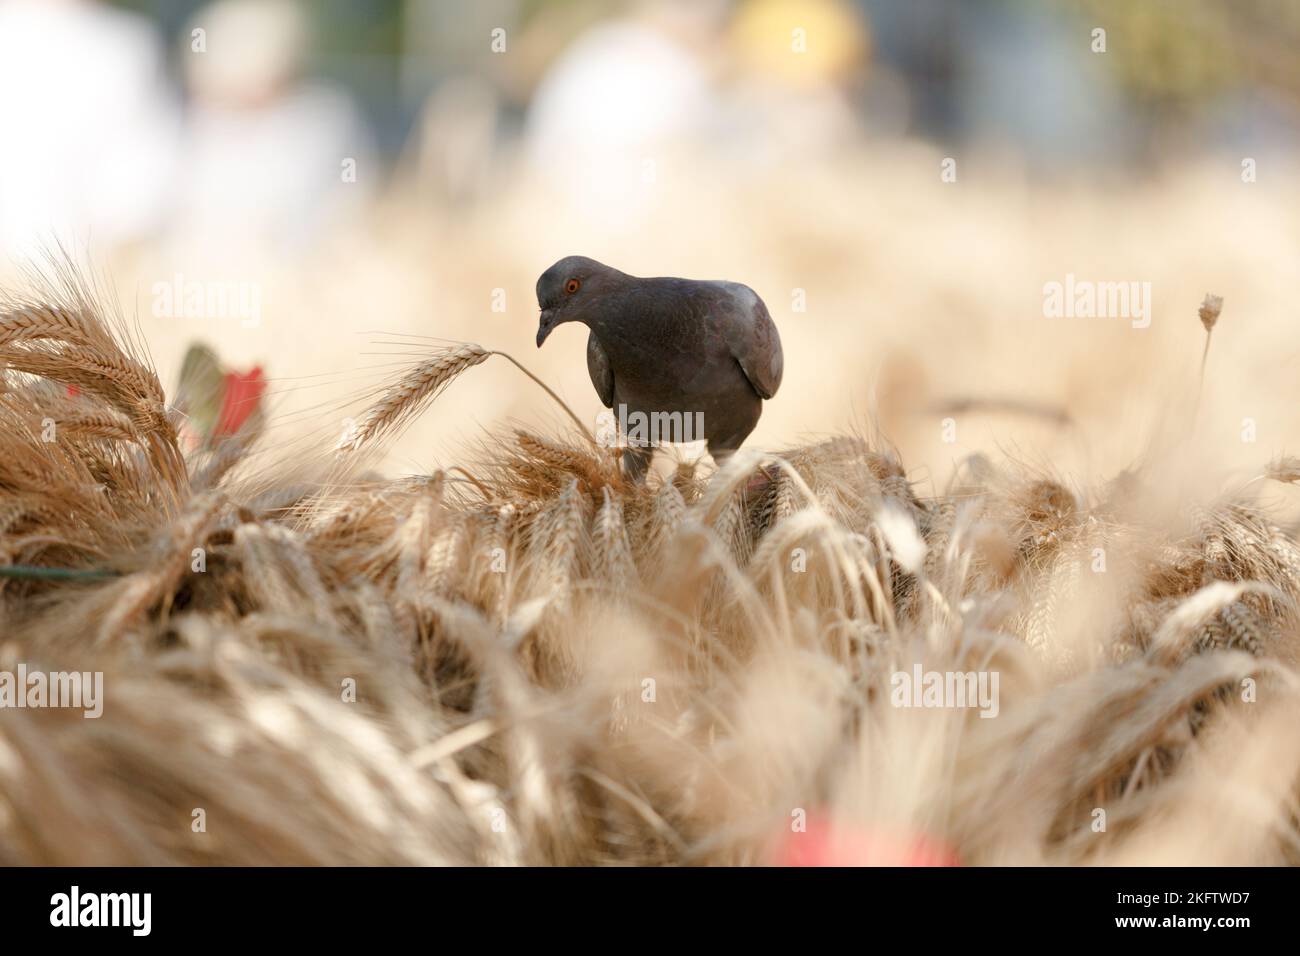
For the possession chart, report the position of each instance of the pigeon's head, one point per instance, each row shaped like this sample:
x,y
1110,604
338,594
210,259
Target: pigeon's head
x,y
569,291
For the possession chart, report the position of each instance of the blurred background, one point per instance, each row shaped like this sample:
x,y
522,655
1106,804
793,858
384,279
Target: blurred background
x,y
296,185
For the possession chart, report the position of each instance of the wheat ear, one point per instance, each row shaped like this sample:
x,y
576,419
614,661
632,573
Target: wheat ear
x,y
404,399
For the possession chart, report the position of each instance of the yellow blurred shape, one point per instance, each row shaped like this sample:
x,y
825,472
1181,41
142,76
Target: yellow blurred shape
x,y
801,42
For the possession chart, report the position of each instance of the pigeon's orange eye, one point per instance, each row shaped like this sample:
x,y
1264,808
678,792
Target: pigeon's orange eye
x,y
572,286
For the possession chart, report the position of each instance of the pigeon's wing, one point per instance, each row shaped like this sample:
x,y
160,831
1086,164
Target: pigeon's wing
x,y
753,340
602,376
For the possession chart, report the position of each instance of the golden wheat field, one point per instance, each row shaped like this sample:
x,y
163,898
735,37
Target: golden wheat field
x,y
460,636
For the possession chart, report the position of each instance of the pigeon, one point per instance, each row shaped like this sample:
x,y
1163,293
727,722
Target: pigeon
x,y
694,358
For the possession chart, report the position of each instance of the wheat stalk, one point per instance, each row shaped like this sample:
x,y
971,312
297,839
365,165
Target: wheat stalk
x,y
1209,315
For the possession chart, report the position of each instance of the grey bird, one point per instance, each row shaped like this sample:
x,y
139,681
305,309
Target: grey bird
x,y
659,346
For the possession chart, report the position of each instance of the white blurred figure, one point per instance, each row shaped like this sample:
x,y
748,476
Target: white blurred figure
x,y
619,99
269,158
455,140
87,128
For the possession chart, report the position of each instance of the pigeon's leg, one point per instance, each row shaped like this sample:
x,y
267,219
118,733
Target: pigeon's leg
x,y
636,461
721,449
721,454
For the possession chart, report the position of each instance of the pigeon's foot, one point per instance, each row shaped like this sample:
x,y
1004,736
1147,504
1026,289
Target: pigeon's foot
x,y
762,480
636,462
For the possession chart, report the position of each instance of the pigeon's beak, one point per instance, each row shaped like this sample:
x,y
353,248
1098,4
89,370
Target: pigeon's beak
x,y
544,327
